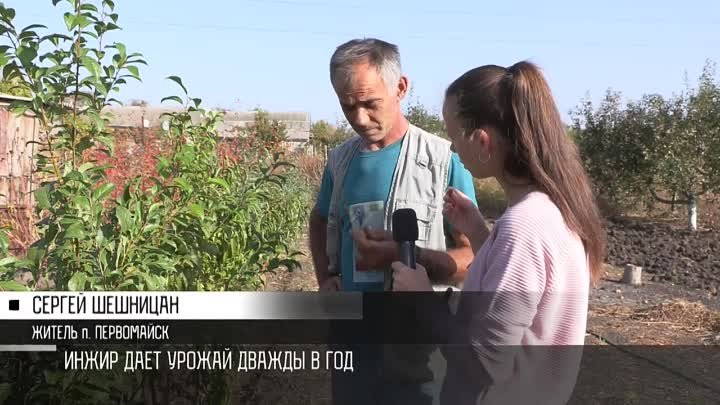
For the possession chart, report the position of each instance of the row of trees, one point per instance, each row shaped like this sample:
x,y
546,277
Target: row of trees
x,y
641,152
656,149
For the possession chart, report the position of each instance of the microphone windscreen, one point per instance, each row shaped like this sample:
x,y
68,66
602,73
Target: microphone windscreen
x,y
404,225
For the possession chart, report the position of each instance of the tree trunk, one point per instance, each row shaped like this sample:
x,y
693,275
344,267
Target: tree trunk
x,y
692,213
674,200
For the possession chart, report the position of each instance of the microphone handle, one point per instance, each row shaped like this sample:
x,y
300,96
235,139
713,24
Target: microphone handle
x,y
407,253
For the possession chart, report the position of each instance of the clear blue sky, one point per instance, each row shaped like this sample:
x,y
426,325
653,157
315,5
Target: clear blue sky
x,y
274,53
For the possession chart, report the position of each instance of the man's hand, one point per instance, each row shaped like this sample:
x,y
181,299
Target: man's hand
x,y
408,279
330,284
376,249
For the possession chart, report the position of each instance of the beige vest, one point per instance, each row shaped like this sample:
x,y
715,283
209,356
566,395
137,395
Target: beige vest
x,y
419,182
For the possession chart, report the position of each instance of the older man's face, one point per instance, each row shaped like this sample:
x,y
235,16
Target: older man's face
x,y
369,105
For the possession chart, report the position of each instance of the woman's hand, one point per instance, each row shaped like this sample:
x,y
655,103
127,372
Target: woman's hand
x,y
462,214
408,279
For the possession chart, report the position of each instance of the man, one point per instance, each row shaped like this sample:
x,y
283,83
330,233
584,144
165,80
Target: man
x,y
391,164
367,77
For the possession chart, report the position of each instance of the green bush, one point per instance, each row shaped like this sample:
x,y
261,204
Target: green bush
x,y
205,222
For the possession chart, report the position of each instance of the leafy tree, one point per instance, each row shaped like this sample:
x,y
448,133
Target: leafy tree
x,y
422,117
325,136
138,103
655,146
14,87
270,133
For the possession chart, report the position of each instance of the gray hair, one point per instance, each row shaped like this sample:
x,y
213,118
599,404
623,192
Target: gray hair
x,y
382,55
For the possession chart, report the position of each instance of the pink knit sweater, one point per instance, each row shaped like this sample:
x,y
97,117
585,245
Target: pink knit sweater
x,y
534,280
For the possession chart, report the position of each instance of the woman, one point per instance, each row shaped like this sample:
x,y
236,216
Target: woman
x,y
521,318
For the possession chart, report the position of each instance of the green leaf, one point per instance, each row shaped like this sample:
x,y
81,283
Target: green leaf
x,y
172,98
9,13
184,185
179,82
82,202
77,282
26,55
209,248
103,191
4,59
36,254
83,21
197,210
134,71
70,21
152,282
75,231
122,50
42,198
150,228
12,286
19,109
27,36
123,216
88,7
91,65
7,261
86,166
33,26
220,182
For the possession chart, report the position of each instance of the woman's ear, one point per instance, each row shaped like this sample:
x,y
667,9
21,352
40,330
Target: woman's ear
x,y
484,142
474,135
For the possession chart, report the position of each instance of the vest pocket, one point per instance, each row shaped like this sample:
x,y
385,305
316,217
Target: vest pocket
x,y
425,215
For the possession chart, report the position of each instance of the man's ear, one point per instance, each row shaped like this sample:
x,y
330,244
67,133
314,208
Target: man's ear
x,y
403,86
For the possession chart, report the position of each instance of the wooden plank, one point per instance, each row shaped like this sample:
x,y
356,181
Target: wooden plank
x,y
4,142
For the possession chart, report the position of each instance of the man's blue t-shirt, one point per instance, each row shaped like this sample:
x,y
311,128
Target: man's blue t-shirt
x,y
365,191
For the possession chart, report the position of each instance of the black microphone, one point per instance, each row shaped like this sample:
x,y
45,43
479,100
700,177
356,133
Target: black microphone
x,y
405,233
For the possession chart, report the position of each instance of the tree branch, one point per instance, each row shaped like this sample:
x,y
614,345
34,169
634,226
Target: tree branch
x,y
666,201
705,189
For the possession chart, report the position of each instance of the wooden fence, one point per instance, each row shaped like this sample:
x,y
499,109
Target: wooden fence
x,y
16,158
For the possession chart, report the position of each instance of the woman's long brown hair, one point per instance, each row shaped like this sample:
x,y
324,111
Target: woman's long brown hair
x,y
518,103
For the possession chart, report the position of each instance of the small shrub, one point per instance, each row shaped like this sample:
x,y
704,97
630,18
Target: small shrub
x,y
312,167
490,198
22,232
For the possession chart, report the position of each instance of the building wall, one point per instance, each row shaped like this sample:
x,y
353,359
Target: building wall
x,y
298,123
